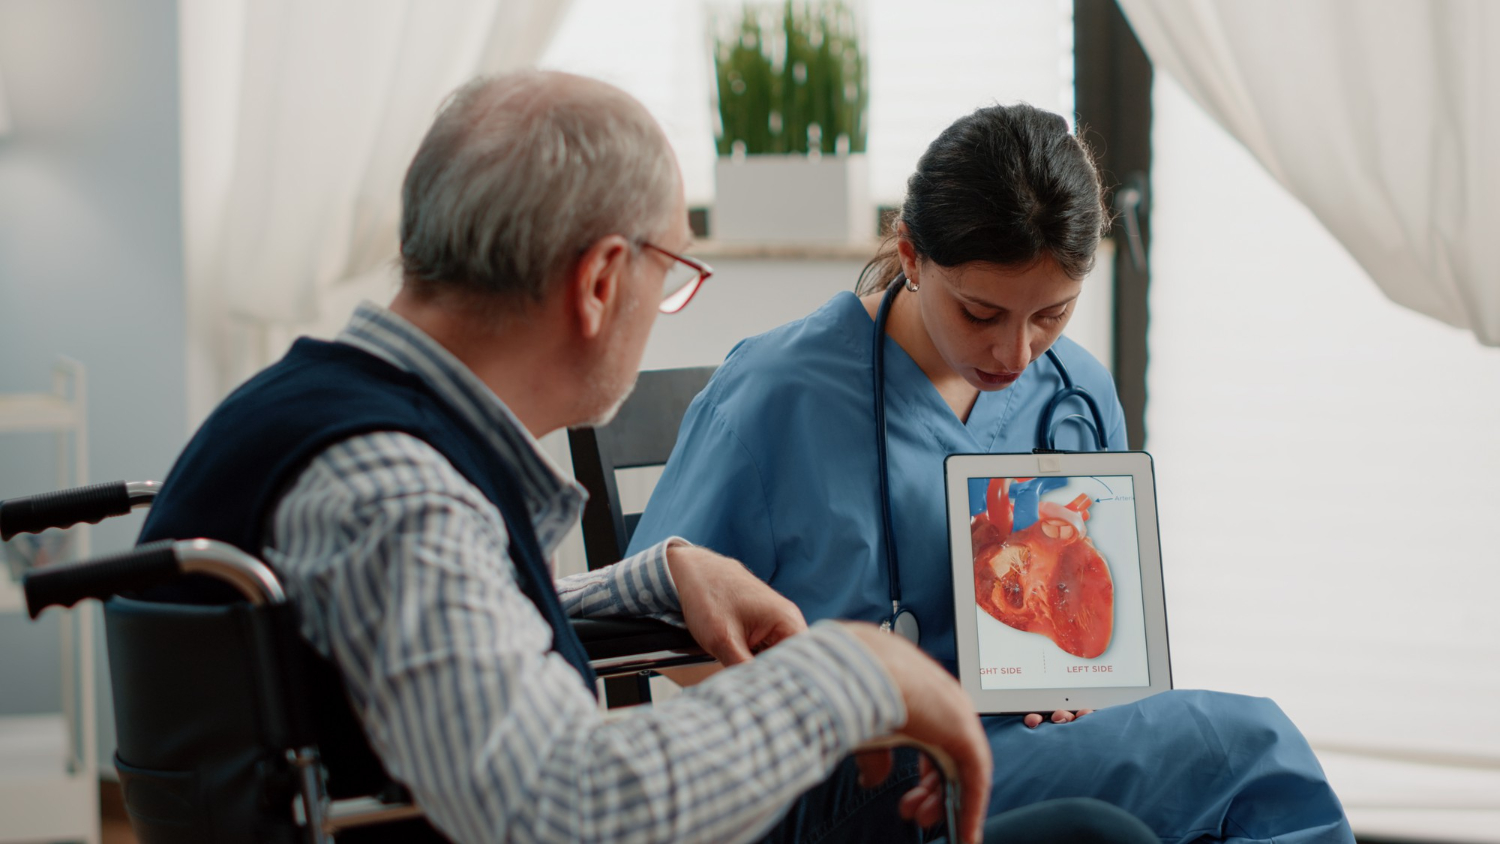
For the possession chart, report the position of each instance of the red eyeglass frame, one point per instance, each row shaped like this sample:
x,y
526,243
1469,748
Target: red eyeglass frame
x,y
678,300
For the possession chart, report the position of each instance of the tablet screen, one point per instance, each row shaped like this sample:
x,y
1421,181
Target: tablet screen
x,y
1057,582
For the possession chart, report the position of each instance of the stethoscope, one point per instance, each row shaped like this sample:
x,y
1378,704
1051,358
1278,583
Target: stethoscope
x,y
902,620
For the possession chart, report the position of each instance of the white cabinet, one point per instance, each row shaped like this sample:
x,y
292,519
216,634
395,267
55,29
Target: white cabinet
x,y
49,767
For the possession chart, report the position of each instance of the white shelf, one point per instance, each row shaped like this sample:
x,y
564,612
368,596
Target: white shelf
x,y
32,745
49,770
37,412
40,799
11,599
720,250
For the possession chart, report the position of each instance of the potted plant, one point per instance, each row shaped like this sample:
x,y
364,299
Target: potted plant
x,y
792,123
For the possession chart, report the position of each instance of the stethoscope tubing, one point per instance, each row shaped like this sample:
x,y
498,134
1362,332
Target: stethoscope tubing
x,y
878,370
1047,430
1045,438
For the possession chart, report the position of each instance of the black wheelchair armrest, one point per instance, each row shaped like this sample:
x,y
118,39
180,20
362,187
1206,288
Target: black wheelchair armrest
x,y
617,646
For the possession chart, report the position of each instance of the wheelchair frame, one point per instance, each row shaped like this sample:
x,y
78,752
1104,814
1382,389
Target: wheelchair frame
x,y
617,647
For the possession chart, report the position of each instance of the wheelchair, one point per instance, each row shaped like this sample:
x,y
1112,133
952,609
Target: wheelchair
x,y
213,742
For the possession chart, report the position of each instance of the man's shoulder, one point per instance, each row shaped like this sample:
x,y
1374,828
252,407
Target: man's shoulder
x,y
379,466
318,394
361,488
322,373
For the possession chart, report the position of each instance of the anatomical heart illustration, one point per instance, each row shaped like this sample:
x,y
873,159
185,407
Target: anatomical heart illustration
x,y
1046,577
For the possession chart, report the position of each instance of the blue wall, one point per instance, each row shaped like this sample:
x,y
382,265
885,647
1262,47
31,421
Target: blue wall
x,y
90,262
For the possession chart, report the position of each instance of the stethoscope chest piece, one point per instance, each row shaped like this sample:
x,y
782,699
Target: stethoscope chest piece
x,y
904,624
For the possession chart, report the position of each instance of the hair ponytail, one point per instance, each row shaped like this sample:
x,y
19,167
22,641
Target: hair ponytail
x,y
1004,185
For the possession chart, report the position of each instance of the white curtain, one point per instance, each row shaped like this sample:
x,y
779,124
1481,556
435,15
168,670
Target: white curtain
x,y
299,119
1310,437
1381,116
1320,454
4,110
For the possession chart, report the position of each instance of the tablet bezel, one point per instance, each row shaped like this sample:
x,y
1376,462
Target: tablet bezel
x,y
957,470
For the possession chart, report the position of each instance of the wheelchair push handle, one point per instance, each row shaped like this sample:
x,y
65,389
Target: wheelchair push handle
x,y
940,760
102,577
68,507
147,566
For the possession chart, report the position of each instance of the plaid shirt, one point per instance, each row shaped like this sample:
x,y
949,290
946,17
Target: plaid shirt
x,y
399,567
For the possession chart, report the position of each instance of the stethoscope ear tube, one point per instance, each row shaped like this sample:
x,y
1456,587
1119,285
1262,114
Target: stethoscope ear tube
x,y
878,370
1046,434
902,620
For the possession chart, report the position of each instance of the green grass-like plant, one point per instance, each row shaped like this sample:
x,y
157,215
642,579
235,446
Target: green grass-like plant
x,y
793,85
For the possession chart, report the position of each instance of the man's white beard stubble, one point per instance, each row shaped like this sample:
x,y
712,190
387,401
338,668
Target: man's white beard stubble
x,y
609,413
599,383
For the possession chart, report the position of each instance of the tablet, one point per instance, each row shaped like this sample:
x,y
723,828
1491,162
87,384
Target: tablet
x,y
1057,580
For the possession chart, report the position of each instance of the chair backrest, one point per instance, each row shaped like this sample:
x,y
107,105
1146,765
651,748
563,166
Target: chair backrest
x,y
641,434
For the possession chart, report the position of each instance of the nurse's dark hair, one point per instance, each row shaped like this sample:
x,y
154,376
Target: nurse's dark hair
x,y
1004,185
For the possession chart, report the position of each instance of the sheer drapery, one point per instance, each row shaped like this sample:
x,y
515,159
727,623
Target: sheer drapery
x,y
1379,115
1325,470
298,122
4,110
1325,458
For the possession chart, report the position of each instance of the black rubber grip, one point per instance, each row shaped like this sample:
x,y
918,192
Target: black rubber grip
x,y
605,638
64,508
102,577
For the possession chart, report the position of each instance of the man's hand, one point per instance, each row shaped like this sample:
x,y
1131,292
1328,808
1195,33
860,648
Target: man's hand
x,y
1061,716
937,713
730,612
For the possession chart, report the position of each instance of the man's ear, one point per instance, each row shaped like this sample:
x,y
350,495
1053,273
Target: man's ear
x,y
597,283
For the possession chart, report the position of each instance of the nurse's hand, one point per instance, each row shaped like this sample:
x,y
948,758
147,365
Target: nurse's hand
x,y
1061,716
939,713
731,613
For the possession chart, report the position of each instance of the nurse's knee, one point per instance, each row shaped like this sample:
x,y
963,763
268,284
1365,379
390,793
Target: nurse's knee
x,y
1238,724
1221,703
1231,708
1078,820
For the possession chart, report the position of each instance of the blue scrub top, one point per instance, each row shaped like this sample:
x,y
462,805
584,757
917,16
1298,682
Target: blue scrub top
x,y
775,465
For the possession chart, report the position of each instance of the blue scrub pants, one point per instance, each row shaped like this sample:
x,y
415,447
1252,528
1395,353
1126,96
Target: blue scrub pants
x,y
840,810
1194,766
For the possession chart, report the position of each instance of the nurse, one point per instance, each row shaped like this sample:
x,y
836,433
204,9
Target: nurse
x,y
776,465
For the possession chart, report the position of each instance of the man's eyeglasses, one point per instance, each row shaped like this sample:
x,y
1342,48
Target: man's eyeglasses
x,y
682,281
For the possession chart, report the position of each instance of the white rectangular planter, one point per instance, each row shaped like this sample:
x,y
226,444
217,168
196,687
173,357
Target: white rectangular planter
x,y
792,199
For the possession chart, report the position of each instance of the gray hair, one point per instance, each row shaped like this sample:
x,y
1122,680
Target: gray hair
x,y
520,174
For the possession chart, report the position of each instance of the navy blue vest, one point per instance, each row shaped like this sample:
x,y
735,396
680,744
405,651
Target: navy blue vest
x,y
227,481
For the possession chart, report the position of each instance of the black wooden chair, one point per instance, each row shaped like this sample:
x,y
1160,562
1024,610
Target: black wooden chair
x,y
641,435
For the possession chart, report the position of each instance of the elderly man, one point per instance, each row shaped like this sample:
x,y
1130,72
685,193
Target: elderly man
x,y
394,478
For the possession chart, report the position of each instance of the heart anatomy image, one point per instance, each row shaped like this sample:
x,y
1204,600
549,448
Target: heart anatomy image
x,y
1036,568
